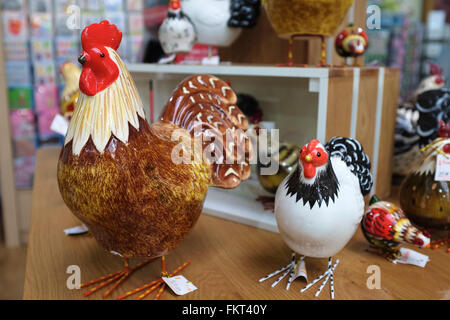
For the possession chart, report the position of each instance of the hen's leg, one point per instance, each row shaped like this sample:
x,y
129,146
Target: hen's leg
x,y
328,275
152,286
118,277
290,268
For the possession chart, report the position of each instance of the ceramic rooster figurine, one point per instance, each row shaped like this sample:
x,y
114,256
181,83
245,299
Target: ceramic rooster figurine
x,y
386,226
116,172
351,42
319,206
69,96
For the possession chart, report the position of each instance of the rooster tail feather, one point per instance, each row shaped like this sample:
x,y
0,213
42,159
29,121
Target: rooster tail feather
x,y
352,153
206,103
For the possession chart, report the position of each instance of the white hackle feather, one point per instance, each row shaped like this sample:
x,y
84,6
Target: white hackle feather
x,y
108,112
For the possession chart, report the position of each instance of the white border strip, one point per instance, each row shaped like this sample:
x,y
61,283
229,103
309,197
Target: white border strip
x,y
376,144
355,98
322,110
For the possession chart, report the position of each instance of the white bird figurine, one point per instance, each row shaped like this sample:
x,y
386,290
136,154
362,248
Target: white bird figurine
x,y
319,206
177,33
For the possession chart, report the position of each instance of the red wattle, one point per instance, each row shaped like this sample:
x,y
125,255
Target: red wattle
x,y
309,171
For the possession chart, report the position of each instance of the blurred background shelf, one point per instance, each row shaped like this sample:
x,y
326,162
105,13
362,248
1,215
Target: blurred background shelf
x,y
304,103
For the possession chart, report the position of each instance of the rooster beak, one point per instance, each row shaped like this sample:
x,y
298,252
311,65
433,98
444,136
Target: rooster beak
x,y
82,59
308,158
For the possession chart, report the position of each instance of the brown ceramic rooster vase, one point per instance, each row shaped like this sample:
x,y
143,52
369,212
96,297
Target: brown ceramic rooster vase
x,y
427,200
116,172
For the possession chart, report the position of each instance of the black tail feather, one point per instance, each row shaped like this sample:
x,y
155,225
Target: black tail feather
x,y
352,153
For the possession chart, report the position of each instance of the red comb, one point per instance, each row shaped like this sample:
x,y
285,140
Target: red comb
x,y
102,33
312,145
435,69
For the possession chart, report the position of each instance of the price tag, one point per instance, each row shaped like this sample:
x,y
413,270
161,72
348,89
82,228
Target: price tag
x,y
442,168
408,256
180,285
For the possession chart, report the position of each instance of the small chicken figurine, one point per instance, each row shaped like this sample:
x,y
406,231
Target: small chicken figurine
x,y
386,226
69,96
177,33
118,174
319,206
298,18
351,42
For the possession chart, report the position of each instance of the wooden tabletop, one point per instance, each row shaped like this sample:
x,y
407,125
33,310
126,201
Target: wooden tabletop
x,y
227,259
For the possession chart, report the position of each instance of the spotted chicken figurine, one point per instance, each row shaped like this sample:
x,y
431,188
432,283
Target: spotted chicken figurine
x,y
319,206
386,226
116,172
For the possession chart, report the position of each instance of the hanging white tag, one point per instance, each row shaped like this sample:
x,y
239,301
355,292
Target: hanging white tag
x,y
76,230
59,125
211,61
179,284
442,168
300,270
408,256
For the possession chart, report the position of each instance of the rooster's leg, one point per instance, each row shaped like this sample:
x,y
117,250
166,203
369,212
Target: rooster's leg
x,y
117,277
290,268
328,276
152,286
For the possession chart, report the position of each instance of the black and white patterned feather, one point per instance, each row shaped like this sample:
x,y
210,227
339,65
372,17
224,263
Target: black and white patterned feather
x,y
433,106
352,153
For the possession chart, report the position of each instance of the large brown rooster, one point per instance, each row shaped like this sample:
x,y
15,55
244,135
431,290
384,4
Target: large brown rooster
x,y
116,172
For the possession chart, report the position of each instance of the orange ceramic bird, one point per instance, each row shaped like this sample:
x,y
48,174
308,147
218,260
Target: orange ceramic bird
x,y
121,176
69,96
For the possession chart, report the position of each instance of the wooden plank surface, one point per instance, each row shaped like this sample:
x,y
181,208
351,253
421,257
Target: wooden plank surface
x,y
227,259
388,118
339,104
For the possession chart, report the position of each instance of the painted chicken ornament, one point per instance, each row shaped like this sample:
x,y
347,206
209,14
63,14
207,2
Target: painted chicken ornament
x,y
319,206
115,171
386,226
177,33
426,199
351,42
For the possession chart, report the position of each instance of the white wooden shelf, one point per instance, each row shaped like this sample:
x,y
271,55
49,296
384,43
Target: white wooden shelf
x,y
151,69
304,103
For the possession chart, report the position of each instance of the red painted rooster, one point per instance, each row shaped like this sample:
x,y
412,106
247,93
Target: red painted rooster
x,y
116,172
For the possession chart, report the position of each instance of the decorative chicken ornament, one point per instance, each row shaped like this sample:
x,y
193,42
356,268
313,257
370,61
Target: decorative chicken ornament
x,y
220,22
298,18
116,172
425,199
351,42
417,122
319,206
69,96
287,158
386,226
177,33
434,81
